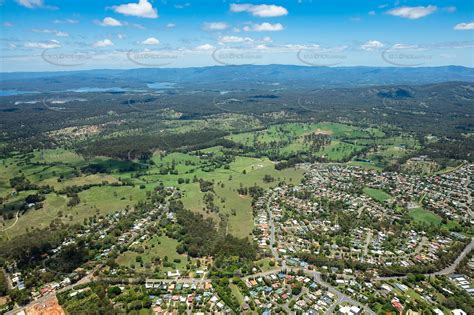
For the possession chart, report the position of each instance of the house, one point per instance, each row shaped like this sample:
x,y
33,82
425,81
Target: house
x,y
397,305
175,274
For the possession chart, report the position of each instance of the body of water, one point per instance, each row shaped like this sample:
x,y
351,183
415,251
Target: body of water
x,y
160,85
14,92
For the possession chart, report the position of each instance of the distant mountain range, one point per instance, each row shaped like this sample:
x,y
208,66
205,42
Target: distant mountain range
x,y
244,76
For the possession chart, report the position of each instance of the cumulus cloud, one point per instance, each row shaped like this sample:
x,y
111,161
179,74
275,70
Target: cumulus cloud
x,y
103,43
372,45
43,45
413,13
261,10
261,47
151,41
33,4
109,21
215,26
141,9
234,39
264,27
48,31
204,47
464,26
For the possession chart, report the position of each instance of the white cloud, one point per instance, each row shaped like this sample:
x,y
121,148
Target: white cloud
x,y
182,6
234,39
103,43
109,21
204,47
48,31
464,26
151,41
7,24
170,25
215,26
141,9
404,46
61,34
372,45
267,39
413,13
261,47
262,10
31,3
66,21
43,45
264,27
372,12
295,46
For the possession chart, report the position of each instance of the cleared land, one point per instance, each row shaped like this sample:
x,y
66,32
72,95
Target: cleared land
x,y
424,216
377,194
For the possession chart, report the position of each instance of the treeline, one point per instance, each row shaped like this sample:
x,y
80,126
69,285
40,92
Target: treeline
x,y
28,249
3,283
131,147
451,149
199,237
321,260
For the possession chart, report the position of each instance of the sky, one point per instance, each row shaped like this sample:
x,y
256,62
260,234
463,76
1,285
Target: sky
x,y
65,35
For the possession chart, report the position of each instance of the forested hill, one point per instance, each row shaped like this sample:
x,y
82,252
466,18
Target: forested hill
x,y
222,76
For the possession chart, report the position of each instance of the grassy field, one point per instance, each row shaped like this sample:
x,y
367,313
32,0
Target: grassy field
x,y
424,216
60,168
96,200
161,247
346,140
236,292
292,131
227,181
377,194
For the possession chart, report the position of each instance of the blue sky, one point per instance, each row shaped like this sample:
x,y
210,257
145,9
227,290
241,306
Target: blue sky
x,y
52,35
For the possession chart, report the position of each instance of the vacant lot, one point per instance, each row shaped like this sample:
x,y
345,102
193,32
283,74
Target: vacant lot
x,y
377,194
424,216
162,248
